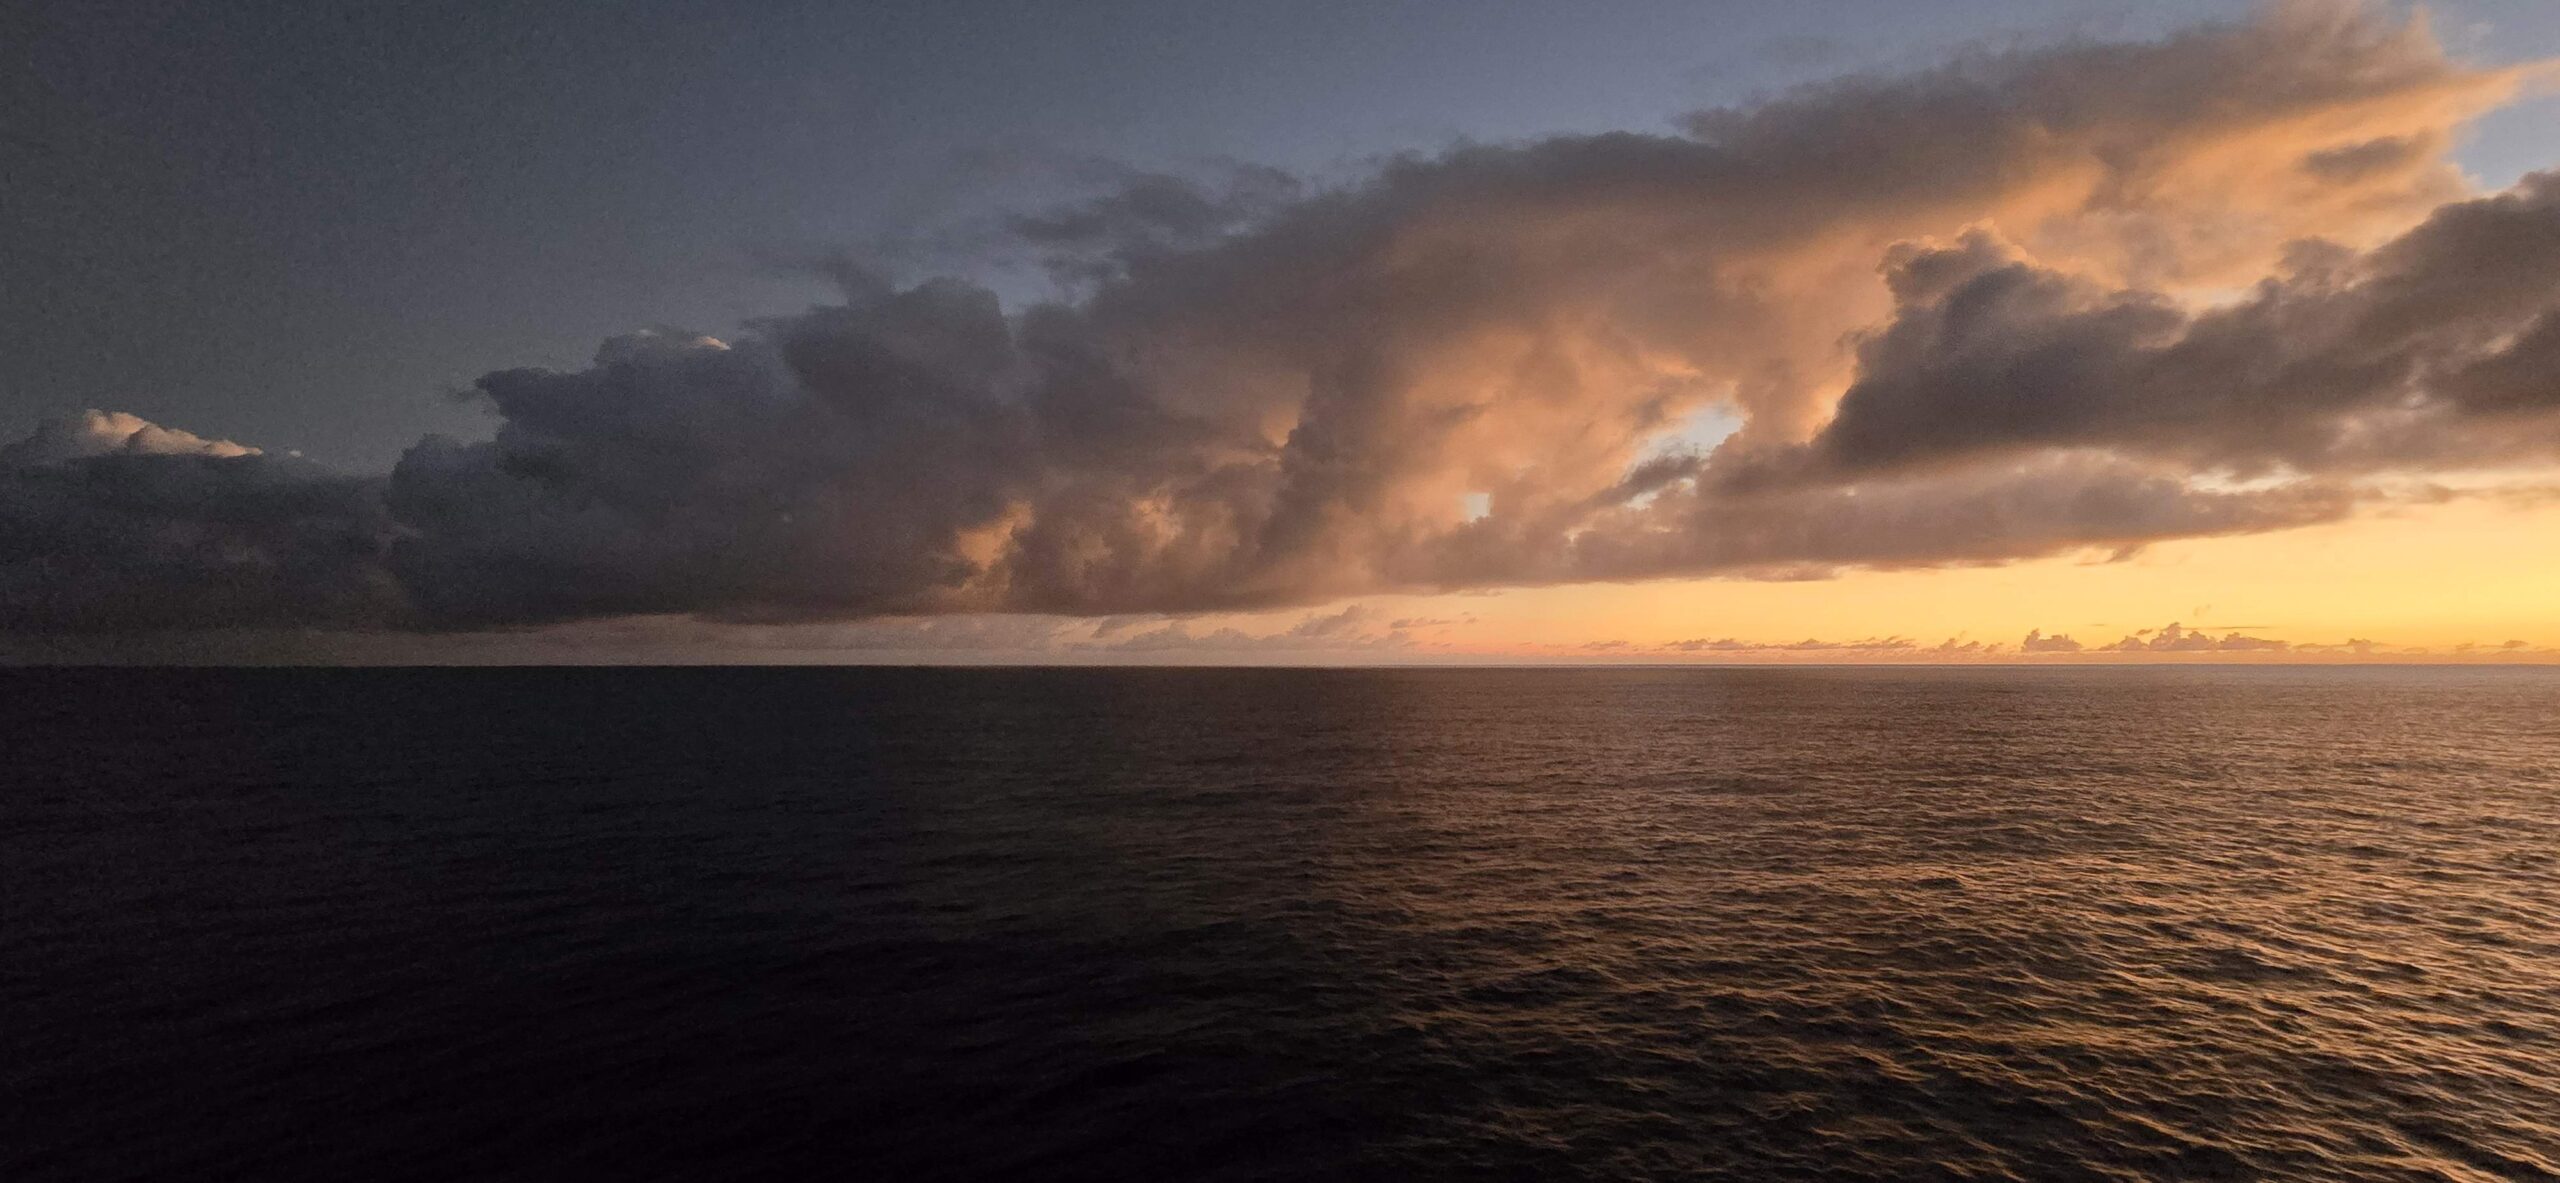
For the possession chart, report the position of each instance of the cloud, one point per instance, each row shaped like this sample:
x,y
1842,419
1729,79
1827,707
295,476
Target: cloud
x,y
1146,214
1461,373
1343,625
2437,349
2176,638
1345,631
110,523
91,434
1714,645
2037,642
1871,646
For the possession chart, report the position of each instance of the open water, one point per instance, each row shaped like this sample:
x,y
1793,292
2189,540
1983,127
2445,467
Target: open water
x,y
1238,924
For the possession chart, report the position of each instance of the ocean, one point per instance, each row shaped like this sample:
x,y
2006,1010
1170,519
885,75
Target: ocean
x,y
702,924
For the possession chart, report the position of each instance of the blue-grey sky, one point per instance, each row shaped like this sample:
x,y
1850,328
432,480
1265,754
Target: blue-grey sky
x,y
300,224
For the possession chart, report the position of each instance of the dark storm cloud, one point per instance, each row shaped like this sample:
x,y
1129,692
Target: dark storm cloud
x,y
108,523
2440,347
1266,397
1147,214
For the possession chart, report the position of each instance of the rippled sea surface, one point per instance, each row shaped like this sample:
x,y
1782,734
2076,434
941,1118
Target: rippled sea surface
x,y
1756,924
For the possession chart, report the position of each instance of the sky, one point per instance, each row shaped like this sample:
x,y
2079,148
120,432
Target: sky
x,y
1845,330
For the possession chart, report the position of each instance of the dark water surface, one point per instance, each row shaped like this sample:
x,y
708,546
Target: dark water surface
x,y
749,923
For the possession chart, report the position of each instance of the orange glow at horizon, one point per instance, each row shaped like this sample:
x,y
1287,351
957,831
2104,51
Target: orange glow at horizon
x,y
2433,577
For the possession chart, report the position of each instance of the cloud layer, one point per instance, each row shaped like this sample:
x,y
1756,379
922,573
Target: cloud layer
x,y
2085,297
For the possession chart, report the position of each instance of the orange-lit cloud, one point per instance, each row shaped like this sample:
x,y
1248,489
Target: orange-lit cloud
x,y
2088,300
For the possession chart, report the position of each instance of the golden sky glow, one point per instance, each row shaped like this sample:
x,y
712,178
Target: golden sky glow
x,y
2437,576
